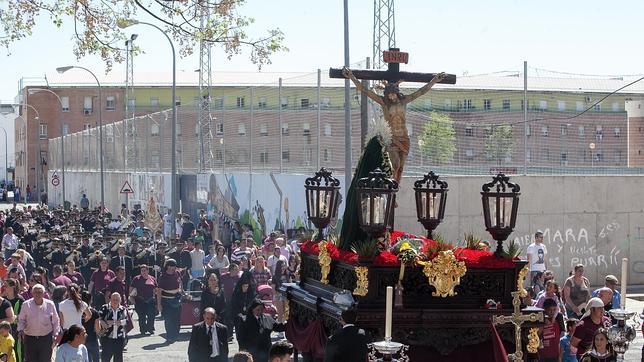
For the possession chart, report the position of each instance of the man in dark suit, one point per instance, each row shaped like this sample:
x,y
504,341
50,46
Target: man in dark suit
x,y
349,344
255,331
208,340
125,261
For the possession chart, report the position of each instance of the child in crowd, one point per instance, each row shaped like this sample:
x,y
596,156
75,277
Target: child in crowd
x,y
567,352
552,328
6,341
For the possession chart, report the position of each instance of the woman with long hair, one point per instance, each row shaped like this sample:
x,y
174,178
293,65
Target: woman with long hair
x,y
169,299
213,296
220,260
279,278
292,270
91,342
73,309
71,347
11,292
601,351
243,296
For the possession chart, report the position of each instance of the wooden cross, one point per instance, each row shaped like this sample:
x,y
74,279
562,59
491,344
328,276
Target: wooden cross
x,y
393,57
517,318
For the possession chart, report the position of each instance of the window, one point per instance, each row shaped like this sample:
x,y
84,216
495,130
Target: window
x,y
219,129
327,129
599,157
131,102
506,104
467,104
564,129
261,103
326,155
284,129
154,129
599,133
241,102
561,105
615,107
241,129
617,132
178,129
544,131
469,154
579,106
64,102
543,105
582,131
284,102
263,157
528,130
286,156
110,103
154,101
597,107
325,102
306,127
219,102
43,131
564,158
263,130
428,104
87,105
618,156
65,129
177,101
447,105
155,158
218,155
469,131
304,103
487,104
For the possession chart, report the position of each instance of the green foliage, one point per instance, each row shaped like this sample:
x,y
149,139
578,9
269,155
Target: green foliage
x,y
512,250
247,218
440,245
438,140
472,241
96,25
365,249
499,143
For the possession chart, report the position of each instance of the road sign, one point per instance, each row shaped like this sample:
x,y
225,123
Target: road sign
x,y
55,181
126,188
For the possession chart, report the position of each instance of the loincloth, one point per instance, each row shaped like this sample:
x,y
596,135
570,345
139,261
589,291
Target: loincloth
x,y
400,144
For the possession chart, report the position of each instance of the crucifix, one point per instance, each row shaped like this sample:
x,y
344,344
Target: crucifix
x,y
393,102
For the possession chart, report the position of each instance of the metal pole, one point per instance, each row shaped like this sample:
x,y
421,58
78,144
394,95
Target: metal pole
x,y
127,101
24,184
279,115
319,115
250,139
6,155
525,117
222,144
364,111
347,105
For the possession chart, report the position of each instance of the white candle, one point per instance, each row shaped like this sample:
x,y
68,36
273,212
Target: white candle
x,y
388,311
624,281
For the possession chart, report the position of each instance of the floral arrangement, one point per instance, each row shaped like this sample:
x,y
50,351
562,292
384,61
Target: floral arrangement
x,y
402,243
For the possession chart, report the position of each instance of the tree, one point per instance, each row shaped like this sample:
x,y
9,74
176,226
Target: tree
x,y
438,141
96,29
499,143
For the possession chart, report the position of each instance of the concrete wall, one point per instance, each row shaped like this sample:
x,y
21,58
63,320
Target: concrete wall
x,y
593,220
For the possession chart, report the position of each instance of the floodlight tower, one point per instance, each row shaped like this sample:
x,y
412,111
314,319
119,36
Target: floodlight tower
x,y
205,95
129,143
384,30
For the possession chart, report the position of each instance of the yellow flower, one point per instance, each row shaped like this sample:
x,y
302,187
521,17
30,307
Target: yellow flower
x,y
404,246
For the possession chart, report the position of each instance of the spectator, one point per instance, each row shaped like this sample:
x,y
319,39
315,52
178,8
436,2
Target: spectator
x,y
71,347
9,243
576,292
566,352
213,297
536,253
220,260
11,293
243,357
593,319
552,328
38,336
611,282
260,273
72,310
243,296
255,331
112,317
601,350
537,283
197,255
551,293
272,260
208,339
169,299
279,278
349,343
84,202
281,351
7,342
144,303
91,342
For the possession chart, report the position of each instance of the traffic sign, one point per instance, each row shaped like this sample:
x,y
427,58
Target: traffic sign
x,y
55,181
126,188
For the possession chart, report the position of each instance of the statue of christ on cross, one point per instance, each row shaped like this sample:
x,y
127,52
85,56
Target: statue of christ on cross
x,y
394,106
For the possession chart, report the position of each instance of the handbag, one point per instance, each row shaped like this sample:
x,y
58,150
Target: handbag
x,y
134,293
104,327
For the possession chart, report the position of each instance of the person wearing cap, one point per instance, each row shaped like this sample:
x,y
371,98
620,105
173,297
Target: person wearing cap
x,y
124,261
255,331
611,282
169,299
592,320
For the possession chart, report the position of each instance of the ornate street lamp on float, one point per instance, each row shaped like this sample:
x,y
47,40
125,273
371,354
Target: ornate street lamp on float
x,y
500,204
377,197
431,197
322,200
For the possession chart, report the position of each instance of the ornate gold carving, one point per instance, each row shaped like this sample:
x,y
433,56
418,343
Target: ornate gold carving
x,y
324,259
444,272
533,340
362,285
522,274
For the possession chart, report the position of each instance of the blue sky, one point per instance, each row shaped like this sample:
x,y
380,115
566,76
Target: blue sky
x,y
590,37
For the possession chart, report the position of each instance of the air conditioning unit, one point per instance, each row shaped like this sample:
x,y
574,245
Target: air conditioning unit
x,y
87,112
588,99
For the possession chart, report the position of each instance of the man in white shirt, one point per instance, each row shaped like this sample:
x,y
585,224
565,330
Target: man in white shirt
x,y
167,224
272,260
9,243
536,253
284,248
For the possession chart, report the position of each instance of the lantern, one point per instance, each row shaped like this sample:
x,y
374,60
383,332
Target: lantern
x,y
431,197
500,204
377,197
322,199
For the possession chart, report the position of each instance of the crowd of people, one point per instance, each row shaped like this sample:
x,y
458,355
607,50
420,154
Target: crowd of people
x,y
71,281
576,316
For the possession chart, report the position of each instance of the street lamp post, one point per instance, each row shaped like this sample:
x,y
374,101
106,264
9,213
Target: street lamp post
x,y
62,136
62,70
174,189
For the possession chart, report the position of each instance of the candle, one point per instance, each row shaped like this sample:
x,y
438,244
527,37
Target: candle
x,y
624,281
388,311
